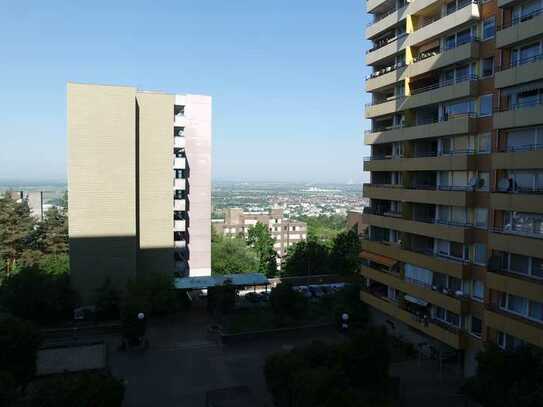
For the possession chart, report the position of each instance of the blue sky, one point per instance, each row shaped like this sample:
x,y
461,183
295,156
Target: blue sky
x,y
286,77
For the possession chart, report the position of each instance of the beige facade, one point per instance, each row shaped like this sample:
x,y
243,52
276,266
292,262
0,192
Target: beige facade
x,y
128,161
286,232
454,245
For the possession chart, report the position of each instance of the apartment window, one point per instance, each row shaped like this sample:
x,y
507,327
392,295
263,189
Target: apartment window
x,y
487,67
179,111
524,54
481,217
451,249
418,275
489,28
484,181
479,254
476,326
524,265
485,105
483,143
522,306
451,7
477,290
447,316
506,341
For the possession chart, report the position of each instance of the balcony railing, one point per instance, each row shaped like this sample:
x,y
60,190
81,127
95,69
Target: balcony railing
x,y
377,18
433,220
517,106
520,230
520,19
522,147
386,70
437,18
429,154
521,61
443,84
384,42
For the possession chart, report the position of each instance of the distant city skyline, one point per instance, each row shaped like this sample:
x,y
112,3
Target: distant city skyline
x,y
286,79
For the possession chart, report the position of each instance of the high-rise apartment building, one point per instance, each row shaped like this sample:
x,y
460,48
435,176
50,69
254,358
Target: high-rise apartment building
x,y
139,184
454,253
286,232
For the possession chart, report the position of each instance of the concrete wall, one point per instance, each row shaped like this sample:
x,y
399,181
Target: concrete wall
x,y
101,184
198,151
155,176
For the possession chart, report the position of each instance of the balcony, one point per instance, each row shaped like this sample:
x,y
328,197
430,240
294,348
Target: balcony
x,y
428,227
179,184
515,284
443,91
460,160
461,52
459,197
453,303
385,21
429,261
180,244
526,70
386,49
386,77
437,28
179,142
179,225
517,201
521,29
371,5
521,328
388,106
516,241
449,335
462,124
180,119
179,163
519,115
179,205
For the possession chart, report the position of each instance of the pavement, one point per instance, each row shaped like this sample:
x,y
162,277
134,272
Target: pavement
x,y
184,362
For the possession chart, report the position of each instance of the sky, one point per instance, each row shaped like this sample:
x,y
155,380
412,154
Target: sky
x,y
286,77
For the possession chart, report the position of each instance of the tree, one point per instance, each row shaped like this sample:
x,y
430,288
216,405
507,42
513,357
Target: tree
x,y
347,300
286,302
232,256
307,258
87,389
107,301
260,239
153,291
51,235
38,295
344,256
511,378
324,228
221,299
19,343
16,230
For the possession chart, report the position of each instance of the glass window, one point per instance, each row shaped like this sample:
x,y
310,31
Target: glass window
x,y
476,326
455,284
517,304
537,267
536,310
450,42
483,143
440,313
480,256
487,67
459,215
463,37
478,290
485,105
453,318
457,250
484,181
451,7
489,28
481,217
439,281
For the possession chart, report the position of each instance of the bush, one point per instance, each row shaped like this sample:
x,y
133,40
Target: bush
x,y
287,303
38,295
154,292
321,375
221,299
107,301
19,343
347,300
90,389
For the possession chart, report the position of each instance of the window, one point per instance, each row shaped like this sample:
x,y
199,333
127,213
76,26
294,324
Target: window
x,y
487,67
489,28
483,143
485,105
477,290
506,341
479,253
179,111
481,217
476,326
451,7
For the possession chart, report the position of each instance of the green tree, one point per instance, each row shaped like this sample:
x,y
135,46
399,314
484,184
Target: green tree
x,y
345,253
260,239
51,235
19,343
286,302
232,256
155,292
512,378
324,228
16,231
307,258
38,295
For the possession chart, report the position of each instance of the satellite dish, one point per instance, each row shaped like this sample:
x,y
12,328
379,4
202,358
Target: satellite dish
x,y
474,182
503,184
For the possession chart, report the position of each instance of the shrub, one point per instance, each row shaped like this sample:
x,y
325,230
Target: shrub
x,y
107,301
19,343
154,292
89,389
38,295
287,303
221,299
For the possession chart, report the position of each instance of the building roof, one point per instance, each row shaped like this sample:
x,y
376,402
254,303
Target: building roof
x,y
243,279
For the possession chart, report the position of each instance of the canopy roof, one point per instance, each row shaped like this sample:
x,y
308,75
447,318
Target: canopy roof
x,y
198,283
